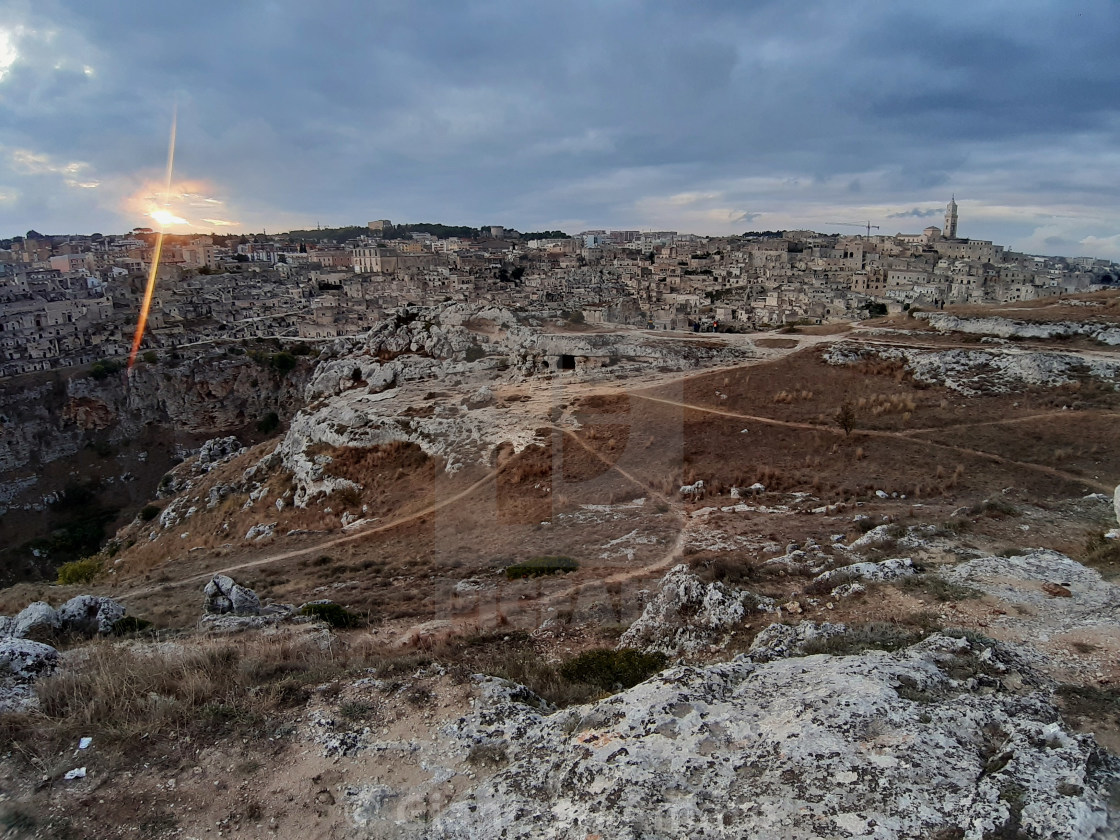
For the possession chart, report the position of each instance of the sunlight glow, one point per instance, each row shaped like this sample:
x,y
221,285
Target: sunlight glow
x,y
153,271
166,217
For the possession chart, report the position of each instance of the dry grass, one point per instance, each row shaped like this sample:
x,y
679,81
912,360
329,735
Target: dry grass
x,y
125,696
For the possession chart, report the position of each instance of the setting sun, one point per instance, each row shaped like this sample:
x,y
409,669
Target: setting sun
x,y
166,217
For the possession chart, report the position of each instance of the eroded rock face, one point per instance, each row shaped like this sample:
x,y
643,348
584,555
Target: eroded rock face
x,y
224,596
922,742
370,391
973,372
687,615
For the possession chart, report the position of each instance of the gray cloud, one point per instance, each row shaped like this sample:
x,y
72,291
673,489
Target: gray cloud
x,y
916,213
518,112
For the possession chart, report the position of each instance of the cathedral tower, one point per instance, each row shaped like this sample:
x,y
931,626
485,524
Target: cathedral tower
x,y
951,219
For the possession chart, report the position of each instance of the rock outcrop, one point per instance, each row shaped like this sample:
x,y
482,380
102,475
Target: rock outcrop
x,y
687,615
1106,333
972,372
378,389
928,741
224,596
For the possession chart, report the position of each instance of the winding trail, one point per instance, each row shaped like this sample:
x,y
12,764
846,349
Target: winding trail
x,y
317,547
885,435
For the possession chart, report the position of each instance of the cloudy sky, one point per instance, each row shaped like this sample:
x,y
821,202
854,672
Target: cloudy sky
x,y
706,117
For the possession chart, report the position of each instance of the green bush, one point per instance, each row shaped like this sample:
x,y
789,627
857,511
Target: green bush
x,y
475,352
332,614
150,357
149,512
78,571
610,669
283,361
539,566
102,369
269,423
130,624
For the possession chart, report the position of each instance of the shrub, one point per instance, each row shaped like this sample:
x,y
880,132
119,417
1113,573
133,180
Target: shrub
x,y
875,635
540,566
1101,551
611,669
78,571
938,588
269,423
130,624
332,614
283,361
149,512
150,356
475,352
993,508
102,369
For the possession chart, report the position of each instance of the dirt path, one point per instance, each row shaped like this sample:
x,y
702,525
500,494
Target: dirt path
x,y
875,433
317,547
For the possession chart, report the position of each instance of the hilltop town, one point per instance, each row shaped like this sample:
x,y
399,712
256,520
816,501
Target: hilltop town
x,y
72,300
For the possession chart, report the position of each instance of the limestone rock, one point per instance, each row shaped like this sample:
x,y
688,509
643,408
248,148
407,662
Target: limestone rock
x,y
22,661
36,621
90,614
260,531
886,745
885,570
687,615
480,398
1017,581
1116,503
6,625
224,596
779,641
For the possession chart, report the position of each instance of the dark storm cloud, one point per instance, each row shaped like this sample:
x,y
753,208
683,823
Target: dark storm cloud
x,y
618,113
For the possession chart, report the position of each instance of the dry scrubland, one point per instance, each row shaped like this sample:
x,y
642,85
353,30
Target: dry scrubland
x,y
194,729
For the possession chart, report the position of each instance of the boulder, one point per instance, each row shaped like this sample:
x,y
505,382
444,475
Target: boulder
x,y
25,660
90,614
224,596
22,661
687,615
36,621
6,626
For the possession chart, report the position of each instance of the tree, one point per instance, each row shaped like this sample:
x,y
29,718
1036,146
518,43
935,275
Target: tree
x,y
846,417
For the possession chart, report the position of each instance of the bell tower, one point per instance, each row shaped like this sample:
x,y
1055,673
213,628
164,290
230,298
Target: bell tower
x,y
951,219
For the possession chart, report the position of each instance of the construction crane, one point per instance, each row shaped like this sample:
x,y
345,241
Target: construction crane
x,y
867,225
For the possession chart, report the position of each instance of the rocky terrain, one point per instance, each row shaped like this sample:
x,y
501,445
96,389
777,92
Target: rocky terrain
x,y
466,593
112,436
